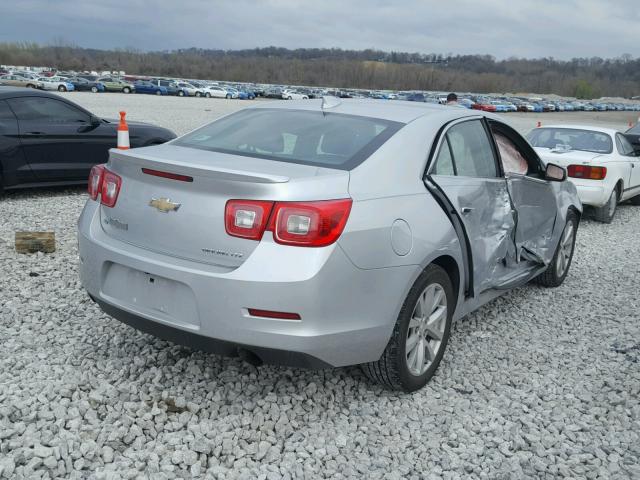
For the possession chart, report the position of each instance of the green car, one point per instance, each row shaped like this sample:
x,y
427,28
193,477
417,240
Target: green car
x,y
116,85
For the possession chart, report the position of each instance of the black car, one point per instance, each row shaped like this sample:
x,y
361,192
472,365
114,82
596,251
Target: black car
x,y
47,140
83,85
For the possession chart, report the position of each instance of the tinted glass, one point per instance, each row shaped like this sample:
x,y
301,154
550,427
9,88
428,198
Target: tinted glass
x,y
47,110
471,150
297,136
444,162
6,115
635,129
571,139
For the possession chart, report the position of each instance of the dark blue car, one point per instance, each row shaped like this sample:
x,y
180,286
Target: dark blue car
x,y
142,86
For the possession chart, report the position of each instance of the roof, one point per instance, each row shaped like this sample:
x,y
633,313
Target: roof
x,y
593,128
393,110
10,92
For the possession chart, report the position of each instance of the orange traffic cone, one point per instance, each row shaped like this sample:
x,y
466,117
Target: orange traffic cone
x,y
630,123
539,124
123,133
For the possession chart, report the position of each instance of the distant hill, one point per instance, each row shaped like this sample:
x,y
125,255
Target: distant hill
x,y
369,69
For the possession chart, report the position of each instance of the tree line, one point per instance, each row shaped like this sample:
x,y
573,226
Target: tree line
x,y
338,68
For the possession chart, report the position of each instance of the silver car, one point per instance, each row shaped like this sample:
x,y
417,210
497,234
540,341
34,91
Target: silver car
x,y
321,233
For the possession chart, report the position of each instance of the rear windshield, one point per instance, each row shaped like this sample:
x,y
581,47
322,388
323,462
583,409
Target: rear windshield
x,y
305,137
571,139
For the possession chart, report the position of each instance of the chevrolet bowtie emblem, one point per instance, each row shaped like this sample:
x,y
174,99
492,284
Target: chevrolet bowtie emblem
x,y
164,205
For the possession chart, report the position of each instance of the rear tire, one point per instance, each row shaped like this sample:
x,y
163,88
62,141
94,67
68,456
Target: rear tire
x,y
420,335
94,89
62,88
606,213
126,90
181,93
158,92
557,270
198,94
228,97
207,95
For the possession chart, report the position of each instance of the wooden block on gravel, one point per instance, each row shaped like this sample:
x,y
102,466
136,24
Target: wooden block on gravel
x,y
32,242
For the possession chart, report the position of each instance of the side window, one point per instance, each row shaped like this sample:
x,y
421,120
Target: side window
x,y
46,110
471,150
444,161
512,159
624,146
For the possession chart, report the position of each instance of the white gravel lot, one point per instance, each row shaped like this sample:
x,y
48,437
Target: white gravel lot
x,y
541,383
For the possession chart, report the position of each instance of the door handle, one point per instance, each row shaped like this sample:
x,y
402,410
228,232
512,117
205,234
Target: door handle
x,y
34,134
466,210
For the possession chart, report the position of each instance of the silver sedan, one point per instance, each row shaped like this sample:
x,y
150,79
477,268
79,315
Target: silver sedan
x,y
324,233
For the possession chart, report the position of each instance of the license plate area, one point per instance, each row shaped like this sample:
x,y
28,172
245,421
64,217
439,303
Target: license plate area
x,y
152,295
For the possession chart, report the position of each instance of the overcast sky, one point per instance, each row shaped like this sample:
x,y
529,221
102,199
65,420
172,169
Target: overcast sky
x,y
503,28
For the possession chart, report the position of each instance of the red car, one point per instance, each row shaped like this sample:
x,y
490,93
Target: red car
x,y
485,107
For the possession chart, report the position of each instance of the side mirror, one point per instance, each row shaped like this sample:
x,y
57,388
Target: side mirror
x,y
555,173
95,121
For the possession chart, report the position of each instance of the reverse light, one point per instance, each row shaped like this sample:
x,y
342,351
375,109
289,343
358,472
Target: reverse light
x,y
586,171
247,218
110,188
95,181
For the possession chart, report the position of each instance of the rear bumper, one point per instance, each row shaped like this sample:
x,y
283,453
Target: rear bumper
x,y
594,193
347,313
212,345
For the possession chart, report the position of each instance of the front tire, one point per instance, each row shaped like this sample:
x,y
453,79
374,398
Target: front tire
x,y
158,92
62,88
606,213
94,89
207,95
420,335
198,94
181,93
228,97
126,90
557,270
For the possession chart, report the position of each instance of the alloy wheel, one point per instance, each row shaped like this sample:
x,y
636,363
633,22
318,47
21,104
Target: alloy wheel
x,y
565,249
426,329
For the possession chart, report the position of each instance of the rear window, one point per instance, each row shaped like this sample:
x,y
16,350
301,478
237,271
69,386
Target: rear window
x,y
305,137
571,139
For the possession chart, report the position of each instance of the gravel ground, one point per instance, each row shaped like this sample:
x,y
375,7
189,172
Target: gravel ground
x,y
538,384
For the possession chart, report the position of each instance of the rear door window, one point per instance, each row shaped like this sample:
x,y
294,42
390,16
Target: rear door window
x,y
471,150
46,110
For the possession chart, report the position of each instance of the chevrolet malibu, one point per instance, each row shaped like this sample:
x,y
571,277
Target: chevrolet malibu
x,y
322,233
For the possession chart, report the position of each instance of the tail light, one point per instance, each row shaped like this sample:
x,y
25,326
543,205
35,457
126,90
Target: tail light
x,y
247,218
95,181
305,224
110,188
587,171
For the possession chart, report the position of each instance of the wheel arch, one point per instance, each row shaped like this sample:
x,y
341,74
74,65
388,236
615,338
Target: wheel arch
x,y
452,269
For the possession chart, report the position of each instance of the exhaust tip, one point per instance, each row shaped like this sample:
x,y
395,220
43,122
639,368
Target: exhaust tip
x,y
249,357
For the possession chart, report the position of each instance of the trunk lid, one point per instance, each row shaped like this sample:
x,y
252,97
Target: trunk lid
x,y
564,158
193,226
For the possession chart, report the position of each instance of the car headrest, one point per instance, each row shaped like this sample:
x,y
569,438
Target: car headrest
x,y
273,143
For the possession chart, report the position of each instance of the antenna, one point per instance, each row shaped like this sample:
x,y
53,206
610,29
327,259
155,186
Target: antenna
x,y
330,102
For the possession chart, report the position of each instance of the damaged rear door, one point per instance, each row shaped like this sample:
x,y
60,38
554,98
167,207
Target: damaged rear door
x,y
533,197
465,177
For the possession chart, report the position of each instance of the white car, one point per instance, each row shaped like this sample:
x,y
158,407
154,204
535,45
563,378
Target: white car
x,y
215,91
293,95
601,163
55,83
